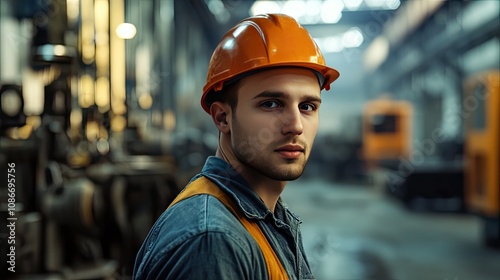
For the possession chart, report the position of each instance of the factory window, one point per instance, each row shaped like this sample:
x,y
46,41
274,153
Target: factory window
x,y
479,112
384,123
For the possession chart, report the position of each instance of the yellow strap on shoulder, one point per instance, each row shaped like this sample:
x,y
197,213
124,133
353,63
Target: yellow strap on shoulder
x,y
203,185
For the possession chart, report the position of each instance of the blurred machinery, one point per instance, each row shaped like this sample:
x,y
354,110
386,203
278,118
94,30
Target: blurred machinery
x,y
336,156
387,126
403,170
482,149
83,201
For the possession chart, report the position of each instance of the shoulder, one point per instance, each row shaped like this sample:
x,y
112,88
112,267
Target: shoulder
x,y
196,233
197,215
201,214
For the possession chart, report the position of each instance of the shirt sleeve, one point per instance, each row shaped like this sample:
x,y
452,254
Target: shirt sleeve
x,y
211,255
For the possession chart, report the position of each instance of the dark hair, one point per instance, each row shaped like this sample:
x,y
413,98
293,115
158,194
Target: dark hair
x,y
228,94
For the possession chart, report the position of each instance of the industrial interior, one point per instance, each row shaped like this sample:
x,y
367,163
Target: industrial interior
x,y
101,127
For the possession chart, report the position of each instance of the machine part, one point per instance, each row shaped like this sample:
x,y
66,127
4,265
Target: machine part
x,y
387,127
433,187
481,101
53,255
30,239
72,204
491,231
53,174
137,189
11,106
53,54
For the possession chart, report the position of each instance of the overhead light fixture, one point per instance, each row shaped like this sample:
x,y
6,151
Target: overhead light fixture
x,y
295,9
392,4
126,30
353,5
331,11
311,16
352,38
383,4
332,44
319,11
264,7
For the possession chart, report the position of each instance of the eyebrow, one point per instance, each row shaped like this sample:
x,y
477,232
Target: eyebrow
x,y
280,94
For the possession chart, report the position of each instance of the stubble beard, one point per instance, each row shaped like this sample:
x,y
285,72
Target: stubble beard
x,y
265,162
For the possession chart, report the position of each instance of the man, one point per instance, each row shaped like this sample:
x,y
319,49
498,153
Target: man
x,y
263,94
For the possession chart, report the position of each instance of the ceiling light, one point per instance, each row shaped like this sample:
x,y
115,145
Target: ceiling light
x,y
331,11
126,30
330,44
382,4
312,9
353,5
352,38
264,7
295,9
392,4
375,3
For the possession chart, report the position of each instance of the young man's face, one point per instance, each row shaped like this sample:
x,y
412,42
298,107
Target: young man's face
x,y
275,122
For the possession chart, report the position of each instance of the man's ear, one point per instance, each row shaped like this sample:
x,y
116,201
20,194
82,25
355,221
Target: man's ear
x,y
220,114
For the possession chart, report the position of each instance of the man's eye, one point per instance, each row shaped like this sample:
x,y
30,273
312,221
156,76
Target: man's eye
x,y
307,107
270,104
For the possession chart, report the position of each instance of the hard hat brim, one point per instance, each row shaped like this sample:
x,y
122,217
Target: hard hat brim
x,y
329,76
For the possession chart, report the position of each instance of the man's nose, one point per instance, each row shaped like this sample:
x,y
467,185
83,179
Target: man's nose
x,y
292,123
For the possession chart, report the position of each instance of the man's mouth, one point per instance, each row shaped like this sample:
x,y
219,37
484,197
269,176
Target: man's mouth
x,y
290,151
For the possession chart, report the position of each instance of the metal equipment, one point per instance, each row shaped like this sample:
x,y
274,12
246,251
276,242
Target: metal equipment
x,y
482,151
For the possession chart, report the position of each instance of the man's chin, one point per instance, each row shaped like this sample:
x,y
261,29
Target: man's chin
x,y
288,174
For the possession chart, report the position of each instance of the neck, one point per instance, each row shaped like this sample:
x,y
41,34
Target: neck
x,y
267,189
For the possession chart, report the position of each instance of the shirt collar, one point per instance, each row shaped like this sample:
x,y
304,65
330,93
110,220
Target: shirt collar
x,y
228,179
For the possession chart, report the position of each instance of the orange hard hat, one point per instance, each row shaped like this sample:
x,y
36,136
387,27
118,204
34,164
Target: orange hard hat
x,y
264,41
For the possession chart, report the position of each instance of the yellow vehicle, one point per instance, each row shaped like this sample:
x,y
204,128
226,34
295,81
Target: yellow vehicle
x,y
386,130
481,113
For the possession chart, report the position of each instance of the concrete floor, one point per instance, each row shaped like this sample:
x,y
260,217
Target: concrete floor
x,y
356,232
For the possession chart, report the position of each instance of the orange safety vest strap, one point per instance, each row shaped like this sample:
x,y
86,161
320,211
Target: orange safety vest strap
x,y
203,185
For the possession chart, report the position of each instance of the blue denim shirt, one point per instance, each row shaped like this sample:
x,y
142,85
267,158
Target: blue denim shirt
x,y
199,238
